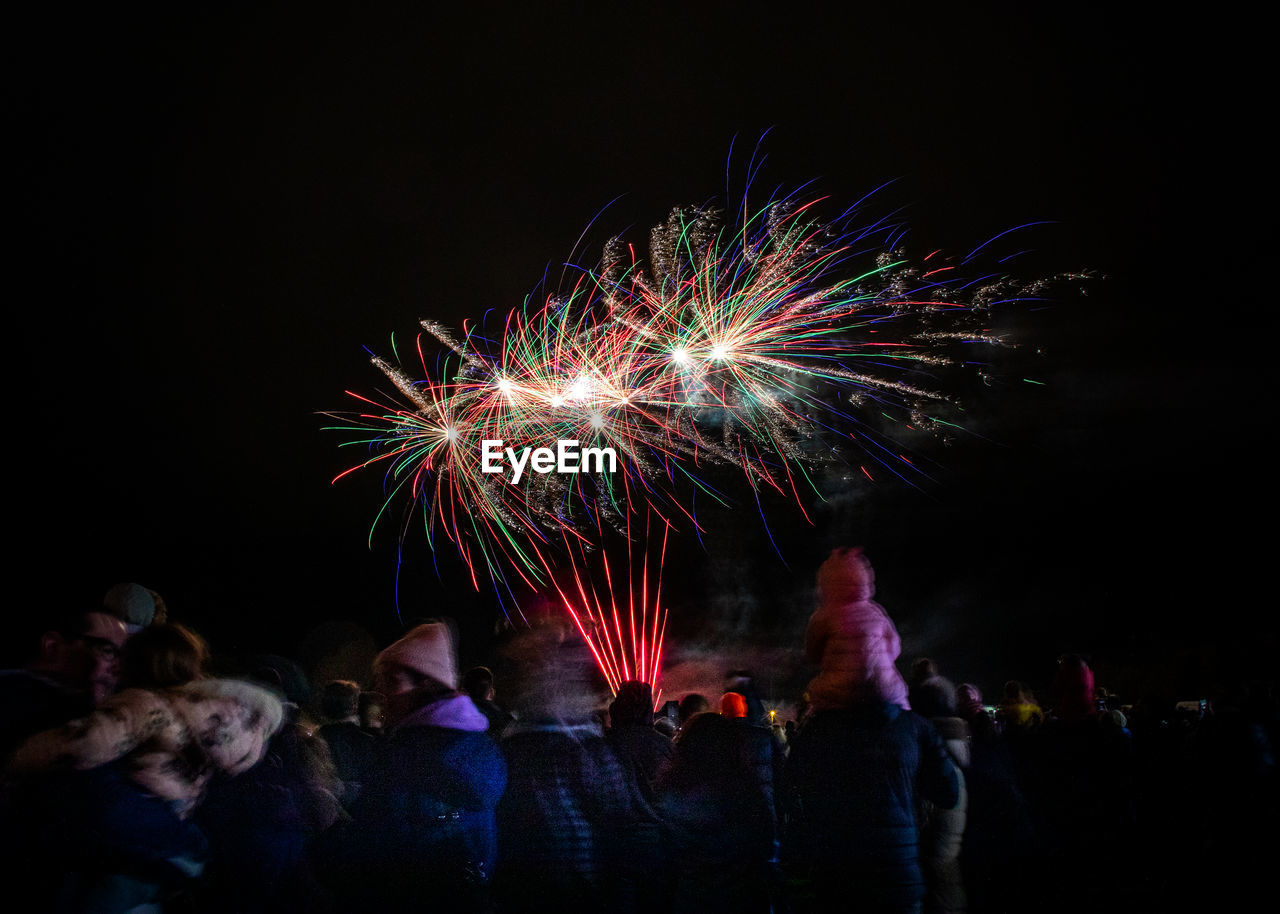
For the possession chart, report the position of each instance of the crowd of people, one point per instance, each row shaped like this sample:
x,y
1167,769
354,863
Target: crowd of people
x,y
136,780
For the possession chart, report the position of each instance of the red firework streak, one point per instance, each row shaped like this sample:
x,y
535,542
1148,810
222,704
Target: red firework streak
x,y
624,631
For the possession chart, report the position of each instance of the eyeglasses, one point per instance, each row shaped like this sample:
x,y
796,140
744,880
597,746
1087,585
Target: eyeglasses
x,y
105,649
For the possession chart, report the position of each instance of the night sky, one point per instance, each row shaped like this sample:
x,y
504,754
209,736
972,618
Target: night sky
x,y
217,212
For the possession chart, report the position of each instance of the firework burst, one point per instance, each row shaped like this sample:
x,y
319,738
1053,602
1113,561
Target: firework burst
x,y
766,347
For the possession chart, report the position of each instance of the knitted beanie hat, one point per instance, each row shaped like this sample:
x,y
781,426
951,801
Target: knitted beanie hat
x,y
733,704
427,650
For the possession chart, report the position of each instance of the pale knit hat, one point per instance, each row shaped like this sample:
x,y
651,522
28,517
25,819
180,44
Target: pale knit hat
x,y
427,650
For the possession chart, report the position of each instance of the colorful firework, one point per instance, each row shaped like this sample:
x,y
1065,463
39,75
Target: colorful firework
x,y
759,348
768,348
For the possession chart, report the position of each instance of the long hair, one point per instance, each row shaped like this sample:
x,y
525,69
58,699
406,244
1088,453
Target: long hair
x,y
163,656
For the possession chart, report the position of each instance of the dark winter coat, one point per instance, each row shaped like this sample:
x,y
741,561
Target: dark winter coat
x,y
572,824
423,828
855,775
643,751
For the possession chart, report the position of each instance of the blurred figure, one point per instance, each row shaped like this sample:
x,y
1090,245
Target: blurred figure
x,y
122,835
351,748
690,706
262,826
1073,690
925,675
969,702
1233,761
856,774
574,831
1018,711
741,681
167,702
425,816
762,754
75,668
852,638
999,853
721,822
942,829
641,749
477,682
1084,794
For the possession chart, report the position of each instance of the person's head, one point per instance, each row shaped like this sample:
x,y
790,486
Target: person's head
x,y
478,683
419,668
82,651
163,656
1014,693
733,705
923,668
846,576
692,704
340,701
935,698
553,677
237,720
968,701
1073,688
710,748
633,705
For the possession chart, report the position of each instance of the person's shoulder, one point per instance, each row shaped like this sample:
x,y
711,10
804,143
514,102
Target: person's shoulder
x,y
346,732
20,689
136,701
660,740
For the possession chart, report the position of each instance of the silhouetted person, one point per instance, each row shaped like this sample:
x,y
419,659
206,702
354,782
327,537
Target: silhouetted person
x,y
690,706
721,821
641,749
572,825
425,819
351,748
856,774
851,637
477,682
74,667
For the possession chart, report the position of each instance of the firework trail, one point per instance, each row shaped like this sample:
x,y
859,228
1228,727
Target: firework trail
x,y
623,623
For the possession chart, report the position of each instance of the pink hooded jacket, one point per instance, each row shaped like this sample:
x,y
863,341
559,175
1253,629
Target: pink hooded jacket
x,y
851,637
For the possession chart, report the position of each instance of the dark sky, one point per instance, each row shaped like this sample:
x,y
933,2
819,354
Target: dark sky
x,y
218,210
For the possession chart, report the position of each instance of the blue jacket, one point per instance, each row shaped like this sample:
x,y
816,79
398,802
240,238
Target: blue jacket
x,y
425,816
